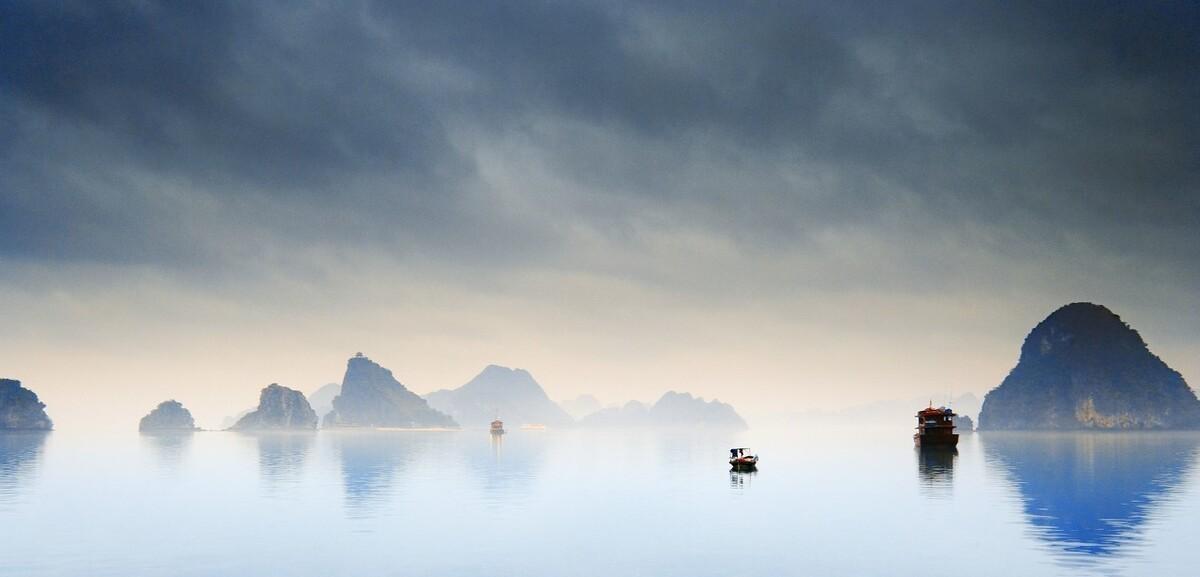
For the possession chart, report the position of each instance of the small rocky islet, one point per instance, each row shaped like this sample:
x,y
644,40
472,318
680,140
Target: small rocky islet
x,y
279,409
20,409
168,416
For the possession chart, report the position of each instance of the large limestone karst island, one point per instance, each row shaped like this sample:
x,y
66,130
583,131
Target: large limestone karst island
x,y
279,409
20,408
372,397
509,394
168,416
1083,368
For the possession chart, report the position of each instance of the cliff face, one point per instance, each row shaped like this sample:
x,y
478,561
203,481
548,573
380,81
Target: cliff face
x,y
20,408
672,410
279,408
1083,368
168,416
372,397
510,394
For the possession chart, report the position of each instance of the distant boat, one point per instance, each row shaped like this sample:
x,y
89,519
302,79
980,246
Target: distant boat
x,y
497,427
743,459
935,428
533,427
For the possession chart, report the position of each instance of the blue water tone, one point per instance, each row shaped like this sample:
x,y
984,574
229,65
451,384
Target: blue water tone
x,y
561,502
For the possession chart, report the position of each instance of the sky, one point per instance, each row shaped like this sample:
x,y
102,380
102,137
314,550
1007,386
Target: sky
x,y
785,205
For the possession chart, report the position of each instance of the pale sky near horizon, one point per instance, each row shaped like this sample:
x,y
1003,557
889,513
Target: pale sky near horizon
x,y
785,206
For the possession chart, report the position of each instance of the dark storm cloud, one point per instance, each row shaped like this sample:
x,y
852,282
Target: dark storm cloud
x,y
1024,127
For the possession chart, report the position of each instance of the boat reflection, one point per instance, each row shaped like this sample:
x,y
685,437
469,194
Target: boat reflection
x,y
741,479
20,453
508,470
935,467
1089,495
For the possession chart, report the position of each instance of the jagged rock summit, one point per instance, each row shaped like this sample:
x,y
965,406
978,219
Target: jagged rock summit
x,y
510,394
372,397
168,416
20,408
1084,368
279,408
673,410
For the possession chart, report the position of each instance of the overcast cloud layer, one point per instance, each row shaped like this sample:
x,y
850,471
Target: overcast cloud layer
x,y
760,201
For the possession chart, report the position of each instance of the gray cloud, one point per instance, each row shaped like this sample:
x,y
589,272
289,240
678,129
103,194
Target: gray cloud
x,y
171,133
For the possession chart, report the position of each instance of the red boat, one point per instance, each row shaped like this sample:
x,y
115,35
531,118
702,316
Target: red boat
x,y
935,428
743,459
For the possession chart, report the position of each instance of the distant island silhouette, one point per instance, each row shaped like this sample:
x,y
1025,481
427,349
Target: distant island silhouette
x,y
672,410
372,397
511,394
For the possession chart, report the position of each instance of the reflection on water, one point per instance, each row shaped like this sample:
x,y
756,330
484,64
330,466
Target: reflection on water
x,y
1090,495
169,447
741,479
507,469
20,452
497,446
281,455
369,465
935,466
373,462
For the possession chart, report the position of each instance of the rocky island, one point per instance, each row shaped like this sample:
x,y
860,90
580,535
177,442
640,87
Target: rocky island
x,y
510,394
372,397
672,410
963,424
168,416
20,408
1084,368
279,408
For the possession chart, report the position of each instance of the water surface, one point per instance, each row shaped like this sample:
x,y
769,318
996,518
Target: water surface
x,y
559,503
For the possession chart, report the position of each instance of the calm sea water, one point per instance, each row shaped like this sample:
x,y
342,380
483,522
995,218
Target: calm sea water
x,y
561,503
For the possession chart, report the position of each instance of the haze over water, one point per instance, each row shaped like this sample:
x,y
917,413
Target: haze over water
x,y
825,501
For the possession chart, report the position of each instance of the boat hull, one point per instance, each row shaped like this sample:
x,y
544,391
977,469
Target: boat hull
x,y
744,463
944,440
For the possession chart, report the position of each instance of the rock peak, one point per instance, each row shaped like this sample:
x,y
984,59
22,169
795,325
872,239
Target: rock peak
x,y
169,415
371,397
1082,367
1085,327
279,408
20,408
512,394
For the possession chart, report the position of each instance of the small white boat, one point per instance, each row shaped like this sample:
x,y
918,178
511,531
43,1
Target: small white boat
x,y
743,459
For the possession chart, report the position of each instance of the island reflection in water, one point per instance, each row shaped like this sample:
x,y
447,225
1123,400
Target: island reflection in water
x,y
168,447
20,452
282,455
1090,495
